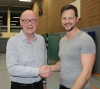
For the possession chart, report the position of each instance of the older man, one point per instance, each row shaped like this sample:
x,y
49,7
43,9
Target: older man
x,y
26,55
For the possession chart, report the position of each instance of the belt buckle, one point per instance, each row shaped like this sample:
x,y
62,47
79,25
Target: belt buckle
x,y
25,85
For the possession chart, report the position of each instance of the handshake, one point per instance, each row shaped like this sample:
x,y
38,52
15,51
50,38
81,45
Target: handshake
x,y
45,71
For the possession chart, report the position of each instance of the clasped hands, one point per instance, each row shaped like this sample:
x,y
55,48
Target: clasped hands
x,y
45,71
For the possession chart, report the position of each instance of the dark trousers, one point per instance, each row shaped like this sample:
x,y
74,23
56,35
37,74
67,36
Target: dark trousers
x,y
63,87
36,85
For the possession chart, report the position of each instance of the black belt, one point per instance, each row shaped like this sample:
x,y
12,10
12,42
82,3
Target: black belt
x,y
35,84
63,87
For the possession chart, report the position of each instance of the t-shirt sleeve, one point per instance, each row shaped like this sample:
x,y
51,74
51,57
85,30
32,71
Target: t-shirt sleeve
x,y
88,45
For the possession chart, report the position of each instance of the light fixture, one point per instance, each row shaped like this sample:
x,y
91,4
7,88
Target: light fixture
x,y
25,0
12,24
0,16
14,21
16,17
0,20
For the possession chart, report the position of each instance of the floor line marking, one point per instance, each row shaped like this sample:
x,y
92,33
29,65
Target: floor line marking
x,y
51,84
91,84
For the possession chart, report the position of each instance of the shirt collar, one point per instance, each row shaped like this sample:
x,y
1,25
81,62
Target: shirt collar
x,y
23,36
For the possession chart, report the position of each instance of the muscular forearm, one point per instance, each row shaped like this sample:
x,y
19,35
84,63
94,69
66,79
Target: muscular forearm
x,y
87,66
56,67
81,81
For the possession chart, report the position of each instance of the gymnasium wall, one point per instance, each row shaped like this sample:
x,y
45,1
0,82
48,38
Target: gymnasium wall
x,y
50,21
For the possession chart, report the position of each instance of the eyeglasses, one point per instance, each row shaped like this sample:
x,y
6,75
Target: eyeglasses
x,y
26,21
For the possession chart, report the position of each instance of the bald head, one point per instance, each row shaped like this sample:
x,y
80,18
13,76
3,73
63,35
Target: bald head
x,y
27,13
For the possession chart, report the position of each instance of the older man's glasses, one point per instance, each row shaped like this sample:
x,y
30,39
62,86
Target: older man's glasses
x,y
26,21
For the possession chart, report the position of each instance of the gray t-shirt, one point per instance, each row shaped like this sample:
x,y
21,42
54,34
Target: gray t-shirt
x,y
69,54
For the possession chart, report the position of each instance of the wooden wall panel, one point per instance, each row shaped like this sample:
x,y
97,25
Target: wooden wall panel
x,y
50,21
90,13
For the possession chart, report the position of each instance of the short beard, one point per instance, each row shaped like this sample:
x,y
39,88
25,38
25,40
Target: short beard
x,y
69,29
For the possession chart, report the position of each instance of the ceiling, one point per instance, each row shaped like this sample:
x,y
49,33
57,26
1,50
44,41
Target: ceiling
x,y
16,8
16,3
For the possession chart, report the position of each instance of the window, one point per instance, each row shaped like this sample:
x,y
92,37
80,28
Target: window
x,y
15,13
3,18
